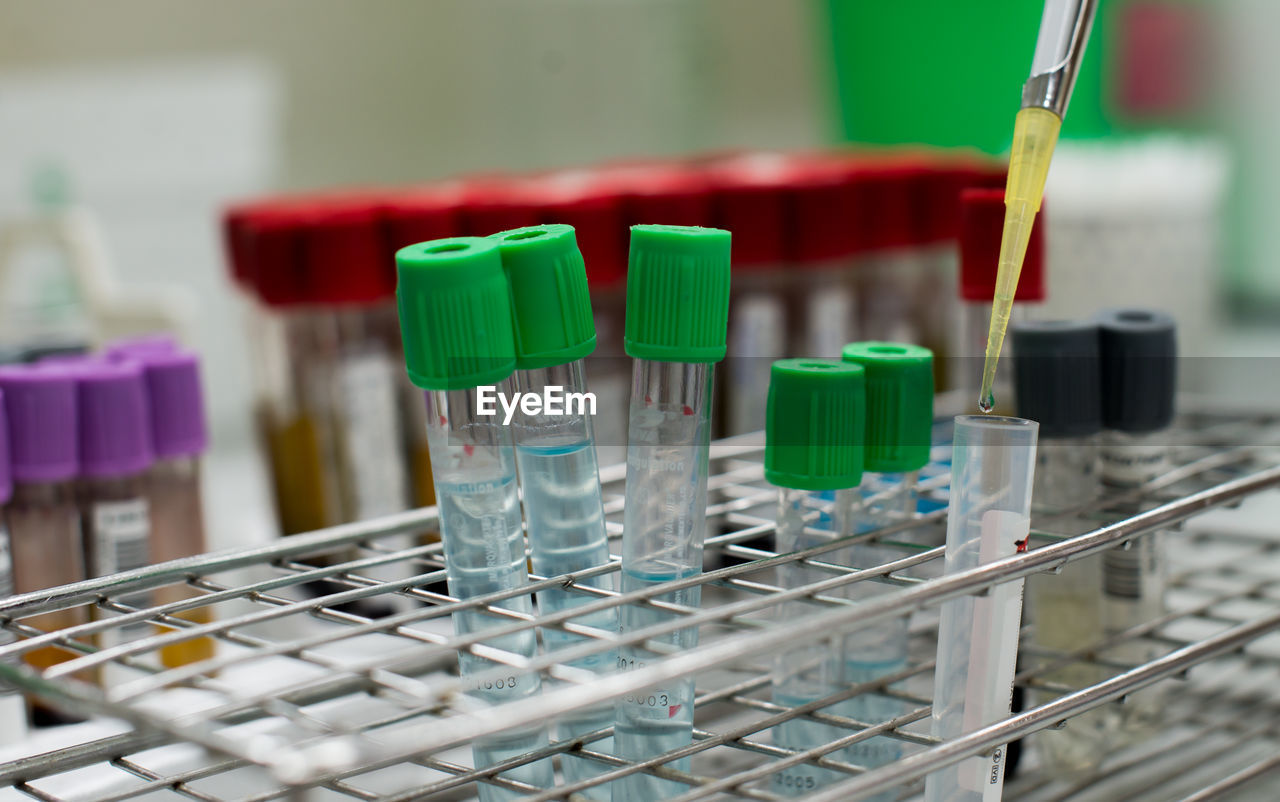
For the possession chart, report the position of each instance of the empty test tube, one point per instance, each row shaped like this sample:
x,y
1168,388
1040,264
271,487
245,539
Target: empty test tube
x,y
992,463
455,317
899,429
813,447
556,449
179,437
13,712
1139,367
676,323
1057,382
42,516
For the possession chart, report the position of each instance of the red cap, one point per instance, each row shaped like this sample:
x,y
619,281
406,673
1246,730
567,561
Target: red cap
x,y
594,207
982,226
326,249
668,193
493,203
346,255
422,213
269,243
888,201
749,194
821,211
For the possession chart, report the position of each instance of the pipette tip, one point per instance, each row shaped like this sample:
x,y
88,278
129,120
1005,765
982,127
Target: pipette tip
x,y
987,402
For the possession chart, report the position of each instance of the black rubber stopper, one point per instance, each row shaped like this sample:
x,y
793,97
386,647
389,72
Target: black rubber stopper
x,y
1139,369
1058,376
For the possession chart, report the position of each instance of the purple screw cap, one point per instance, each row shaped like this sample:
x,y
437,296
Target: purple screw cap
x,y
6,475
115,431
43,428
177,403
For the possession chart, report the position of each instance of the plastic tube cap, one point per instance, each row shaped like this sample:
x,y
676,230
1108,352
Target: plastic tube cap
x,y
455,313
677,294
1139,369
43,425
981,229
6,473
899,404
115,421
174,395
550,302
1057,376
815,424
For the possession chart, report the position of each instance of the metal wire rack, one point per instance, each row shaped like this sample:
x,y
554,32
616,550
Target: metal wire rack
x,y
310,695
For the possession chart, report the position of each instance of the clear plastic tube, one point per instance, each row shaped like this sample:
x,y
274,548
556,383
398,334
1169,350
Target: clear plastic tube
x,y
118,537
1067,605
873,652
757,336
993,461
44,530
811,671
177,521
556,454
1134,576
473,466
663,531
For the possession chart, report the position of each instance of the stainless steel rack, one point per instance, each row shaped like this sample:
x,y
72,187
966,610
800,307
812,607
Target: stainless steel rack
x,y
310,696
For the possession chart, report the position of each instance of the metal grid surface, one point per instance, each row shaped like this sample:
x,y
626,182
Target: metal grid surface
x,y
310,695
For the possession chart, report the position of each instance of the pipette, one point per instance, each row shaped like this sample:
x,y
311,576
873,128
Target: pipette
x,y
1064,31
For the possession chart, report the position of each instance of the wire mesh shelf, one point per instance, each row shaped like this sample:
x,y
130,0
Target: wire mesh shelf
x,y
336,664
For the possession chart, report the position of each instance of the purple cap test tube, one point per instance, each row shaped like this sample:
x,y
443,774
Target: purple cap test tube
x,y
43,426
6,476
177,404
115,430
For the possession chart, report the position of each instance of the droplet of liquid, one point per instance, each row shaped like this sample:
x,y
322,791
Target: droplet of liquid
x,y
987,404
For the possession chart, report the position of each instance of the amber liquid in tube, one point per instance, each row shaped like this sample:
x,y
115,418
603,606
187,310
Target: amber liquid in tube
x,y
44,532
177,531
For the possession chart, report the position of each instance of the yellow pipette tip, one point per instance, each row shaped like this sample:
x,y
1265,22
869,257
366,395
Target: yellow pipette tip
x,y
1035,134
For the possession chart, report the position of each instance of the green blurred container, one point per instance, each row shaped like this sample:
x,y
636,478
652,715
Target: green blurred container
x,y
948,72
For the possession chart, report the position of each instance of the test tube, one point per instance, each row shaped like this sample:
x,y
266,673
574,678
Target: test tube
x,y
42,517
677,317
556,450
981,229
821,203
115,455
1139,372
455,316
891,266
750,194
1058,383
899,429
992,463
593,205
813,447
13,712
179,437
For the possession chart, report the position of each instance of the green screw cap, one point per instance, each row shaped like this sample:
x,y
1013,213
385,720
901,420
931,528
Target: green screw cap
x,y
899,404
455,313
677,293
814,429
550,303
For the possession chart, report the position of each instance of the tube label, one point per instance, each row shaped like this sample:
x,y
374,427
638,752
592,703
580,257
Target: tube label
x,y
120,533
371,437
